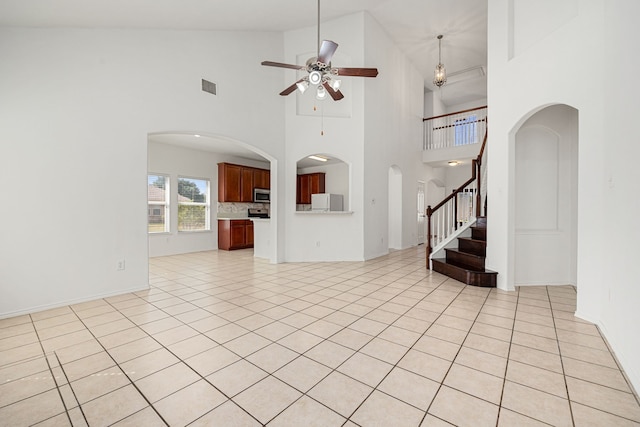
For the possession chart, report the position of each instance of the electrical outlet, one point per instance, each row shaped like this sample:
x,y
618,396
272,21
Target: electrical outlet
x,y
318,243
120,265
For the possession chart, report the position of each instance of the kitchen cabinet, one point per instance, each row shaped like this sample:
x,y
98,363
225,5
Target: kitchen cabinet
x,y
235,234
308,184
261,178
236,182
246,185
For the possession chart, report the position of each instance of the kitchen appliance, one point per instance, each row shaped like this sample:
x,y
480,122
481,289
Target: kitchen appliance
x,y
261,195
258,213
326,202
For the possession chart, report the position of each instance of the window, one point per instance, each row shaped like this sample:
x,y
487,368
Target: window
x,y
193,204
466,130
158,203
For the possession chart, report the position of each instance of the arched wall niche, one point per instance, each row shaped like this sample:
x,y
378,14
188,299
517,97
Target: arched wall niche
x,y
337,177
544,198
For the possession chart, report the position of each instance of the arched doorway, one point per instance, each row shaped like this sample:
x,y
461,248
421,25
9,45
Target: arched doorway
x,y
177,157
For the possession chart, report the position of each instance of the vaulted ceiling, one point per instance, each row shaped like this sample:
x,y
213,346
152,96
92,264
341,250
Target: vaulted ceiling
x,y
412,24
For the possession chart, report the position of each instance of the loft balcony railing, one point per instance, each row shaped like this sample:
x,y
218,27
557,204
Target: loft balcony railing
x,y
456,129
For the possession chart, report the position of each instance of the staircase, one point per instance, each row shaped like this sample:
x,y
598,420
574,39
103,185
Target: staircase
x,y
466,264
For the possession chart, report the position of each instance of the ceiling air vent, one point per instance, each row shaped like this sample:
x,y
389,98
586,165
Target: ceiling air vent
x,y
208,86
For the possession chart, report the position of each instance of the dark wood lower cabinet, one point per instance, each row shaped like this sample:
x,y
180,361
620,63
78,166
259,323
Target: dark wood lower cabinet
x,y
235,234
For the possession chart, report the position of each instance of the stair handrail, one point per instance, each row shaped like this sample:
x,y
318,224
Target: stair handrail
x,y
454,113
476,175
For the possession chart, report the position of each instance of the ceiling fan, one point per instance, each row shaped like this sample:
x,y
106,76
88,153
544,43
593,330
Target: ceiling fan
x,y
320,72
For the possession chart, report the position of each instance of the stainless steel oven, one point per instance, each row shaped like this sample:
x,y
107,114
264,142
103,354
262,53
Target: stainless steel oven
x,y
261,195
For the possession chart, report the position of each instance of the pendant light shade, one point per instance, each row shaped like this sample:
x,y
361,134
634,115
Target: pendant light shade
x,y
440,74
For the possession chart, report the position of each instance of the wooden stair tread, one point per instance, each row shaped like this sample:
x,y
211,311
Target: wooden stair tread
x,y
481,278
460,265
471,239
469,254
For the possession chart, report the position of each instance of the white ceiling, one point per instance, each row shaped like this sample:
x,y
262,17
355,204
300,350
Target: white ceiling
x,y
412,24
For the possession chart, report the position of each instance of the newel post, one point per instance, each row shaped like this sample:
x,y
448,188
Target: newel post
x,y
478,165
429,248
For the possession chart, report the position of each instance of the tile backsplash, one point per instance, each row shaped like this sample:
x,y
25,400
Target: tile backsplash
x,y
238,210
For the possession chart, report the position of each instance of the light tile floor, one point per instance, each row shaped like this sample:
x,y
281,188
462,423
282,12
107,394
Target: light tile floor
x,y
221,339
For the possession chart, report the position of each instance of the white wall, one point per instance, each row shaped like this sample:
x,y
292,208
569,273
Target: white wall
x,y
570,64
394,106
314,237
77,106
376,125
179,161
477,103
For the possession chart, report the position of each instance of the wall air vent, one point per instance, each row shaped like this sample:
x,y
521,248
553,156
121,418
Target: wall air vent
x,y
208,86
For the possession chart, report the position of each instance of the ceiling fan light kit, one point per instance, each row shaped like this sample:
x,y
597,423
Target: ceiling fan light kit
x,y
320,72
302,86
321,93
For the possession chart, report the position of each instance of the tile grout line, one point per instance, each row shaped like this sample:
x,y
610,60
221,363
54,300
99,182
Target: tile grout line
x,y
506,366
336,368
372,280
181,361
53,376
70,388
457,353
564,374
124,373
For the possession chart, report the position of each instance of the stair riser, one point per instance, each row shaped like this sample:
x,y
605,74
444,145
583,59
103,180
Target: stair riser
x,y
473,278
481,222
470,260
450,270
472,247
479,233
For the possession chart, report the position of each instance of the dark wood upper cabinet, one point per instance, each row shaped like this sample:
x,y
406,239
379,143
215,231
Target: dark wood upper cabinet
x,y
308,184
229,182
261,178
247,185
236,182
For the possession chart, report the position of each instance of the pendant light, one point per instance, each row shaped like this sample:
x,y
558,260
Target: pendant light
x,y
440,74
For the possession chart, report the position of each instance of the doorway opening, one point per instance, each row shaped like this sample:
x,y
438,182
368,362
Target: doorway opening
x,y
188,161
395,207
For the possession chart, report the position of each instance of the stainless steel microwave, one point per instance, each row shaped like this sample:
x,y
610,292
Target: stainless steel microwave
x,y
261,195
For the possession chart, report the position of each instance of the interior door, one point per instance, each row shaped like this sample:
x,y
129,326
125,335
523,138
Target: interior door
x,y
421,213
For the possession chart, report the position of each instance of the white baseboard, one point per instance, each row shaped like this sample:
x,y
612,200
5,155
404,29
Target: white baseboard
x,y
59,304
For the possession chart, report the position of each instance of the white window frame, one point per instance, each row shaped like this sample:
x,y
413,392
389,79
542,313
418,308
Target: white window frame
x,y
207,205
164,205
466,130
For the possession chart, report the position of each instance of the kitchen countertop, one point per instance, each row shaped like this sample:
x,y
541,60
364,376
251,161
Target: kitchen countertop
x,y
324,212
243,218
